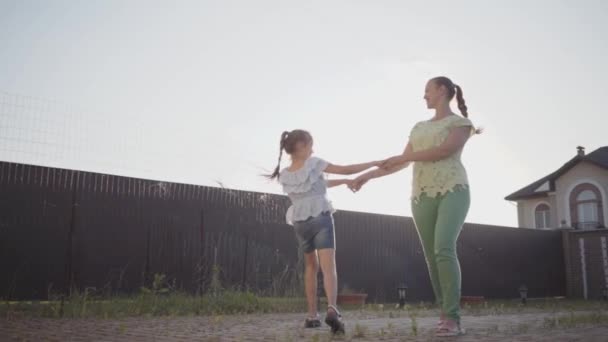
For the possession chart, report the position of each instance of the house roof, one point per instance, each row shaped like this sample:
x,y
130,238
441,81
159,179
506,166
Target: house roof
x,y
543,186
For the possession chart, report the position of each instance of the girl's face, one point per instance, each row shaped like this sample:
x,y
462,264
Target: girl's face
x,y
303,150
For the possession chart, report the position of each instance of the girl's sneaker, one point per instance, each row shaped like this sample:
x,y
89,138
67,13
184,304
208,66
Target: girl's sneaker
x,y
334,320
312,322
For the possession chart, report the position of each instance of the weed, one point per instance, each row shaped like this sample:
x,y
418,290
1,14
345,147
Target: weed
x,y
360,331
414,327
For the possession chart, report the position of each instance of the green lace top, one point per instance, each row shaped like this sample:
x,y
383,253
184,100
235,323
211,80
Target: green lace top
x,y
438,177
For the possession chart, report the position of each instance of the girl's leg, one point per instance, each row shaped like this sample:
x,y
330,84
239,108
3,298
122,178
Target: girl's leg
x,y
452,212
424,211
327,257
325,242
311,268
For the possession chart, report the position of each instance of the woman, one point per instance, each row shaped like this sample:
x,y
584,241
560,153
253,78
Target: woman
x,y
440,192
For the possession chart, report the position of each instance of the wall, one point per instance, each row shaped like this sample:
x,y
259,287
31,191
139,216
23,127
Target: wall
x,y
586,261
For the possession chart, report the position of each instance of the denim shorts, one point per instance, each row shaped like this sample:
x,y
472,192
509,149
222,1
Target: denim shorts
x,y
316,233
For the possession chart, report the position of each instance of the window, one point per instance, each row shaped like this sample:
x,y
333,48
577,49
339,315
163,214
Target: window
x,y
542,215
586,207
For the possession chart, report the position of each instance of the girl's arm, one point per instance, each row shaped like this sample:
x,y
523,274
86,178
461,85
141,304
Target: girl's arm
x,y
455,141
337,182
351,169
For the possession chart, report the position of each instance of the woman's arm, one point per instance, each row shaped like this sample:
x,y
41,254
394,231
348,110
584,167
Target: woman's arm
x,y
385,171
358,182
455,141
377,173
351,169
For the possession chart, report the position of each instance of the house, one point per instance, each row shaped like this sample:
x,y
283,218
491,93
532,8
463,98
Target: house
x,y
574,196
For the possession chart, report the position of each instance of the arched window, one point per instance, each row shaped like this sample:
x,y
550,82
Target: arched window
x,y
586,207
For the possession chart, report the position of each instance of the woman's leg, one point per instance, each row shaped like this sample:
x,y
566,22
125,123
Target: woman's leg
x,y
453,209
327,257
424,210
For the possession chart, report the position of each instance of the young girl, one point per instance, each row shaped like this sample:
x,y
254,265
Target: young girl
x,y
311,216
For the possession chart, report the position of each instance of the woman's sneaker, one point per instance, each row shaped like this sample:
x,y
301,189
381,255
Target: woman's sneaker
x,y
449,330
441,320
334,320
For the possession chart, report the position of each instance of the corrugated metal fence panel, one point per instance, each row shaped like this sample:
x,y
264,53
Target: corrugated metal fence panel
x,y
495,261
250,254
377,253
127,229
110,238
34,225
175,242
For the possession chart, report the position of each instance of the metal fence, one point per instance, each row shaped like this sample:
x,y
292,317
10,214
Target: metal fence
x,y
64,229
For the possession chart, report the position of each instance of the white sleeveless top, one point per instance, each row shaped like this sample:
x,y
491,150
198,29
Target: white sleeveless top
x,y
307,189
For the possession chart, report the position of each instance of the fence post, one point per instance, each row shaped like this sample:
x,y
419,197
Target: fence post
x,y
244,277
69,253
201,257
567,262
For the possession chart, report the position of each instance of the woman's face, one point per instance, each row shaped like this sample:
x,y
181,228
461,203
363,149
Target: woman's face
x,y
433,94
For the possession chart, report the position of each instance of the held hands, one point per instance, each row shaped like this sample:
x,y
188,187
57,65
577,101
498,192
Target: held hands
x,y
387,164
355,184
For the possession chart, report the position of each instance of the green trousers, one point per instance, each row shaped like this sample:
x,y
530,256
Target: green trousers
x,y
439,221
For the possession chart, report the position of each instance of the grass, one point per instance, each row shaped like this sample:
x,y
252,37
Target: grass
x,y
160,299
150,304
504,307
573,320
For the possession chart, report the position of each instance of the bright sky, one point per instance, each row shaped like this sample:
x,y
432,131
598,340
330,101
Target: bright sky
x,y
199,91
